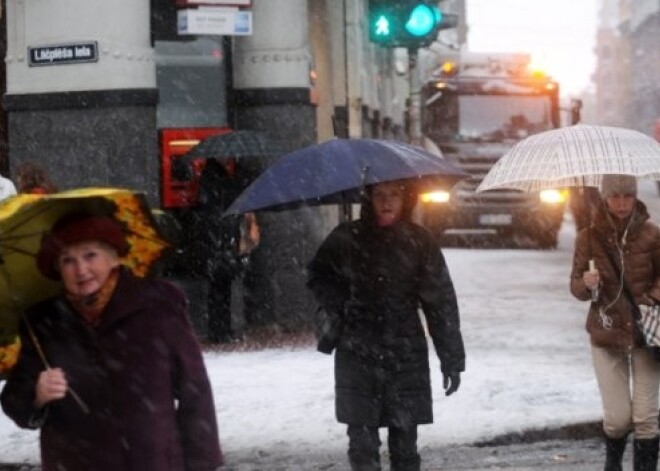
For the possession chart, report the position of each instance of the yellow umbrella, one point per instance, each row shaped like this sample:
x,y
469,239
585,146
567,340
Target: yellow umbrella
x,y
25,218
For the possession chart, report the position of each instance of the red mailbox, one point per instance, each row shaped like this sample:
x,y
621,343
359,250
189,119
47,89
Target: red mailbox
x,y
179,182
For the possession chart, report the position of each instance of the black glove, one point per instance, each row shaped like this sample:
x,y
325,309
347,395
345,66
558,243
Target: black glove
x,y
328,327
451,381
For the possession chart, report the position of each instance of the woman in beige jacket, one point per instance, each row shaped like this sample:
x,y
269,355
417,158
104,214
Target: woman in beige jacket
x,y
625,246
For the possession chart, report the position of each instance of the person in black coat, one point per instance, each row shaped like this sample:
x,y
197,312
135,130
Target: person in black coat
x,y
370,277
218,250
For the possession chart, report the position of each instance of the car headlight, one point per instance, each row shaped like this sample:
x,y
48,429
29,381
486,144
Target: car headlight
x,y
553,196
435,197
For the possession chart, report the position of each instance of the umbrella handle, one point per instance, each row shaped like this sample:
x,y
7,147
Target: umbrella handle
x,y
363,178
42,355
594,291
78,400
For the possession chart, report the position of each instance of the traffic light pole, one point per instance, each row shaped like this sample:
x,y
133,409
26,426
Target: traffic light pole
x,y
414,105
412,24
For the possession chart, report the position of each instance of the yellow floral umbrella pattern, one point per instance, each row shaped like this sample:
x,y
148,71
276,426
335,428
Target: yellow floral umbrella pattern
x,y
25,218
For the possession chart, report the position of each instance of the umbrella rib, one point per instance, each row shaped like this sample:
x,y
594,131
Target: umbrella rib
x,y
155,240
20,236
29,216
16,250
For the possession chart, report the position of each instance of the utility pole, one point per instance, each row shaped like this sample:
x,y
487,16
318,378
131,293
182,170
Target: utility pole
x,y
353,59
414,105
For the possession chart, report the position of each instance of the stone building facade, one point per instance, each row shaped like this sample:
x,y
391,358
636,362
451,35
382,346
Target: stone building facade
x,y
305,74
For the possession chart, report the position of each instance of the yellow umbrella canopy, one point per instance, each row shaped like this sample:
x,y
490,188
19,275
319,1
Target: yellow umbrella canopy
x,y
25,218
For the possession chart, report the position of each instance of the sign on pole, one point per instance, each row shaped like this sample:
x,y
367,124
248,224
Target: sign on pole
x,y
215,21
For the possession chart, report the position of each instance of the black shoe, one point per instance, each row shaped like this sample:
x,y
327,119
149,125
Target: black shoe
x,y
614,448
646,454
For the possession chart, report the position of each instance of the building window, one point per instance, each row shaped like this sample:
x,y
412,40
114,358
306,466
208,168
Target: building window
x,y
191,79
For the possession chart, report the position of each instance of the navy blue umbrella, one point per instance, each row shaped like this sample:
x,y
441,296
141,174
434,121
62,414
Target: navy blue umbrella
x,y
336,172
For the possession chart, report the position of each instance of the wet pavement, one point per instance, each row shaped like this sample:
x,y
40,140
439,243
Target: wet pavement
x,y
573,447
554,455
576,455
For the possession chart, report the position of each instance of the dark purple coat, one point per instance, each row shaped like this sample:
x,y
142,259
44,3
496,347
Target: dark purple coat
x,y
141,374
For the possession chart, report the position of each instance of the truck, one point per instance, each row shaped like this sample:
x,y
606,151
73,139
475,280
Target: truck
x,y
474,108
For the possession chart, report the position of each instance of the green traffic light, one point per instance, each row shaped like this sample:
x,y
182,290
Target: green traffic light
x,y
422,20
382,26
406,23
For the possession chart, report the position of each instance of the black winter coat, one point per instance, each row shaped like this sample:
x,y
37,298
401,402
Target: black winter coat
x,y
210,245
141,374
370,282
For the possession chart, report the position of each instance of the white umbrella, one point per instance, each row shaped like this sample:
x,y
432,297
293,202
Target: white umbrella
x,y
574,156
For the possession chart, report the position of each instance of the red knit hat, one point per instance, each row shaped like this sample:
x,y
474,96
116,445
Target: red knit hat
x,y
73,229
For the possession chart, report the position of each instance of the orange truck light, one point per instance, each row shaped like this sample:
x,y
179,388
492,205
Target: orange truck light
x,y
553,196
435,197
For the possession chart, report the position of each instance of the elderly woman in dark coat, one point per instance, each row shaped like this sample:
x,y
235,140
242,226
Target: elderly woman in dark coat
x,y
370,277
125,387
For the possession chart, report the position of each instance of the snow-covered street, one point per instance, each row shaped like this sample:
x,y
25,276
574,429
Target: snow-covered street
x,y
528,367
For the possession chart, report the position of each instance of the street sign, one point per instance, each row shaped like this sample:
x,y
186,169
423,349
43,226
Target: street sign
x,y
55,54
241,3
214,21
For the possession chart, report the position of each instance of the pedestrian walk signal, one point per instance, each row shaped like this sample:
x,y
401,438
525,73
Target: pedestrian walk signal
x,y
406,23
382,27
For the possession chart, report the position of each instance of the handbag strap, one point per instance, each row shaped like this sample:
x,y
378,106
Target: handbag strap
x,y
617,272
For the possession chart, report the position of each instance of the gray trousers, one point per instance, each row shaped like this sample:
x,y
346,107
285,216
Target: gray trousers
x,y
628,384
